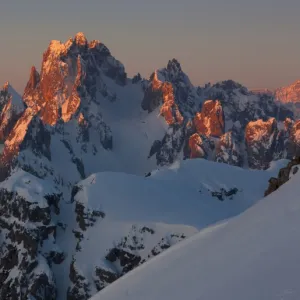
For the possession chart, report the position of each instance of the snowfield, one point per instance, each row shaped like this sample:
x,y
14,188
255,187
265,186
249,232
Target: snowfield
x,y
142,215
176,201
254,255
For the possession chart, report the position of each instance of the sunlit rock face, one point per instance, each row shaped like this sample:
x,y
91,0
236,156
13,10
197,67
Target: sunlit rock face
x,y
211,113
64,91
66,76
161,94
66,97
210,121
196,146
289,93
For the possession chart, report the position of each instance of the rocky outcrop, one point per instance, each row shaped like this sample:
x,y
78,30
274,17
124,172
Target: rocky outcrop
x,y
129,253
229,149
104,275
240,104
210,121
62,94
167,149
289,93
26,226
79,289
69,72
161,93
85,216
284,175
264,143
230,104
196,146
28,246
11,108
293,139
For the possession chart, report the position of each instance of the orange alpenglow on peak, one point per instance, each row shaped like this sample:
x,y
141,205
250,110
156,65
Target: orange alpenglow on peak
x,y
80,39
5,86
210,121
34,77
94,44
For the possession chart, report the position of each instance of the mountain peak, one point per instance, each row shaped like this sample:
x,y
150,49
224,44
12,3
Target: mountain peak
x,y
297,82
289,93
94,43
80,39
56,47
5,86
174,65
33,79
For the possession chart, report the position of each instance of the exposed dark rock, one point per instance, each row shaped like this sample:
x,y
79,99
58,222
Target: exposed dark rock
x,y
137,78
264,143
104,277
86,217
79,289
127,260
53,200
283,176
225,194
155,148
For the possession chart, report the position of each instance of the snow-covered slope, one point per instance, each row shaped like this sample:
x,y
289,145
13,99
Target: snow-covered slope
x,y
252,256
142,216
112,223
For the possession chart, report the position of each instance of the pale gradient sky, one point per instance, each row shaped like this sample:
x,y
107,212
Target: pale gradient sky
x,y
255,42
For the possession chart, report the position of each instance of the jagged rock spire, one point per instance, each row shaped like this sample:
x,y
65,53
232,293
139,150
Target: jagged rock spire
x,y
174,65
5,86
34,78
80,39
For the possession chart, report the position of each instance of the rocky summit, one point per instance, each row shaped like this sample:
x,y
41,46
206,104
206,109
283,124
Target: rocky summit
x,y
60,237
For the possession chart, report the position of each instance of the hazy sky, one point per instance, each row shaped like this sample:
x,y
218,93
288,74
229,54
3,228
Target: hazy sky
x,y
255,42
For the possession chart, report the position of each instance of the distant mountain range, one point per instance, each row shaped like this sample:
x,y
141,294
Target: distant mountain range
x,y
263,91
91,170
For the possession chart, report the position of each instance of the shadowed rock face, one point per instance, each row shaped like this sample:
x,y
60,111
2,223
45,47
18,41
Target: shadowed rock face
x,y
125,257
293,142
22,249
229,149
284,175
264,142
